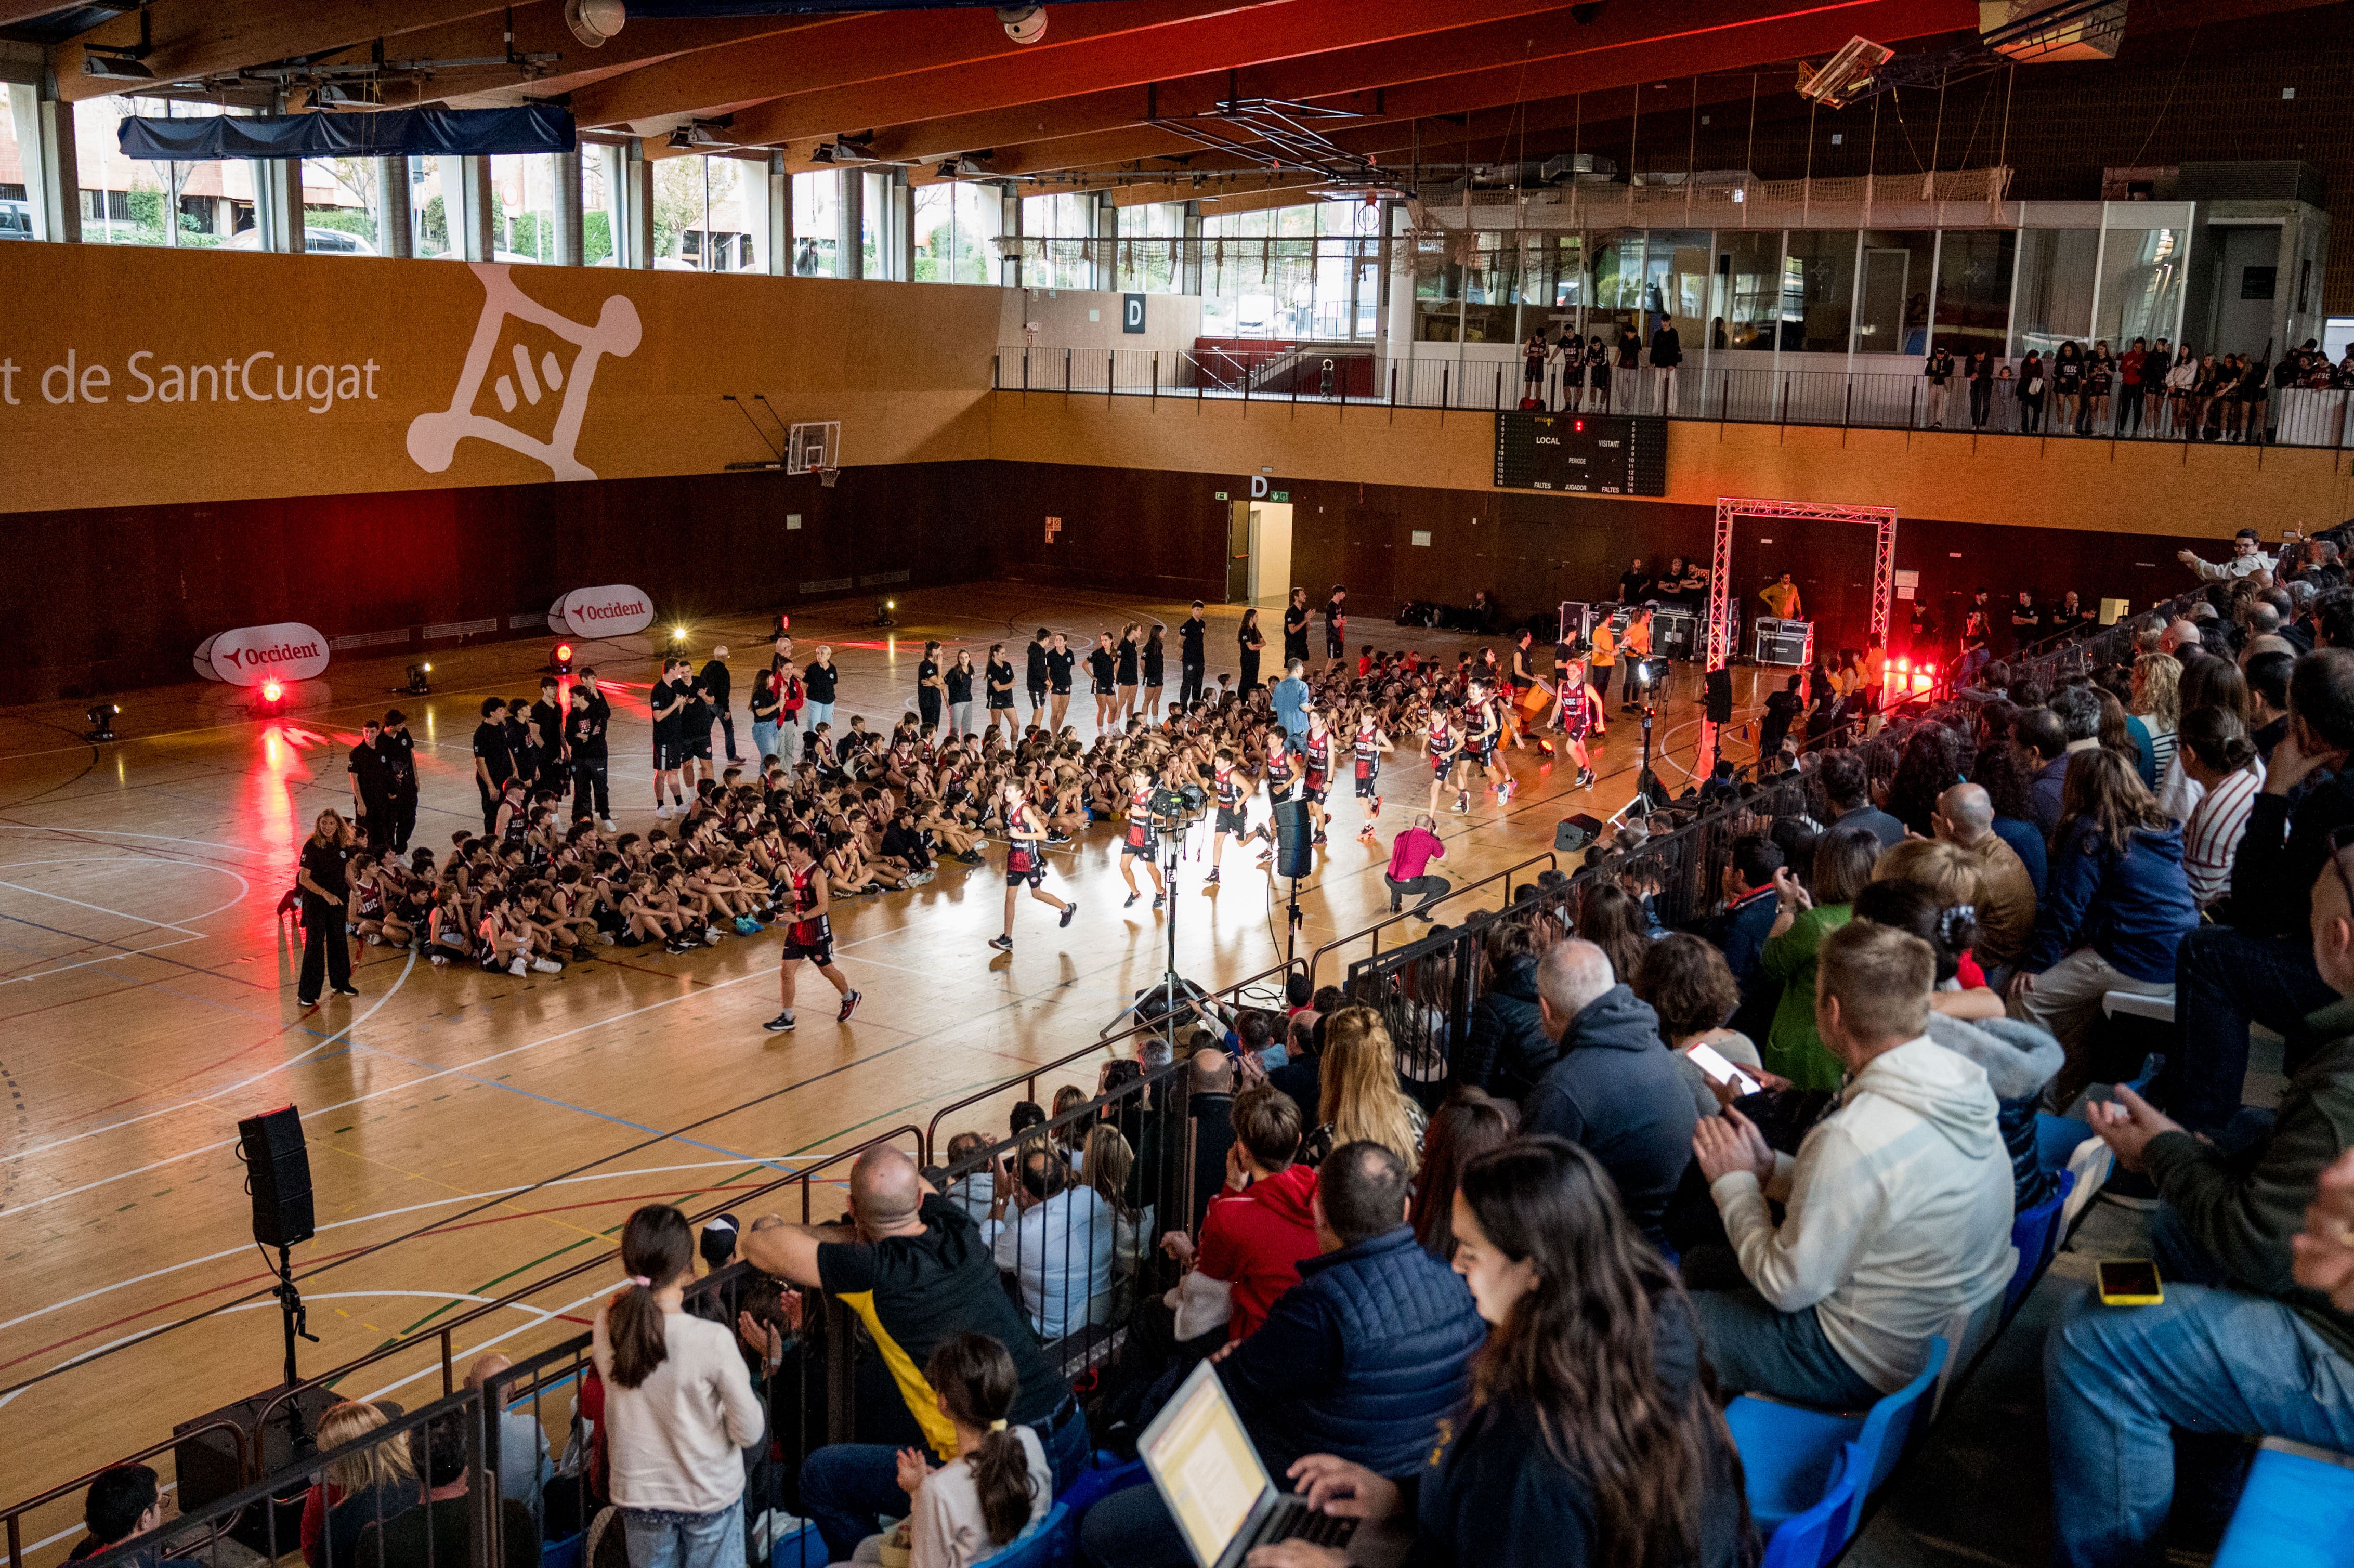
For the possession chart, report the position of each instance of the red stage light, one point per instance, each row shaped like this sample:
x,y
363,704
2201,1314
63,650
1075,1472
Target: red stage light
x,y
1577,425
1903,664
272,691
1928,669
564,649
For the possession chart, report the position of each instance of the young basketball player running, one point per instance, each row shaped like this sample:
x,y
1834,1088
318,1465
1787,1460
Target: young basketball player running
x,y
809,934
1367,747
1487,705
1232,792
1141,841
1442,743
1316,770
1576,717
1026,861
1281,774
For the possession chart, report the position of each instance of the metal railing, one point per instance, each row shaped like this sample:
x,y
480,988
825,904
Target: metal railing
x,y
1550,858
1702,389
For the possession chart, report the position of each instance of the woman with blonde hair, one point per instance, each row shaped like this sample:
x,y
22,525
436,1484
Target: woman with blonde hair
x,y
356,1490
1361,1094
2157,703
1107,1161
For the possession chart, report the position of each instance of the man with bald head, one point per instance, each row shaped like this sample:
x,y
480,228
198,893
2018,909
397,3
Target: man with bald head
x,y
2179,633
1964,818
1614,1087
915,1269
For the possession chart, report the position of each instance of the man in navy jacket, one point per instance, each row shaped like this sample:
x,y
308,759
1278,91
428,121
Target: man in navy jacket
x,y
1360,1357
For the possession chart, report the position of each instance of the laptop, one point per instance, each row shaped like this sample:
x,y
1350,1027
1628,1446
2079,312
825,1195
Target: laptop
x,y
1216,1490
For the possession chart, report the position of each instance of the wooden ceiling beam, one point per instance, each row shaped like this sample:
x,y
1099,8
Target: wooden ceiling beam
x,y
202,37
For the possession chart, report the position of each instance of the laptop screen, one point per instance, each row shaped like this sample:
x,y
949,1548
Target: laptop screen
x,y
1209,1474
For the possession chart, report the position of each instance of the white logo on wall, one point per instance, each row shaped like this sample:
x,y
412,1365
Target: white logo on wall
x,y
433,438
614,610
288,651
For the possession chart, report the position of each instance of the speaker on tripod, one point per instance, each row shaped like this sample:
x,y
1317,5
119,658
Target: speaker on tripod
x,y
1295,854
278,1174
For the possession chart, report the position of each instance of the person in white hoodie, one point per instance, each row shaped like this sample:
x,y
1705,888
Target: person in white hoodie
x,y
1898,1207
679,1406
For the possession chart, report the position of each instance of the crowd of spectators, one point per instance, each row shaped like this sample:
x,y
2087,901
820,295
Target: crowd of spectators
x,y
1778,1150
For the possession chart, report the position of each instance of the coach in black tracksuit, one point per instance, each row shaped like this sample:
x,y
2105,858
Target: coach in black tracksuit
x,y
1190,661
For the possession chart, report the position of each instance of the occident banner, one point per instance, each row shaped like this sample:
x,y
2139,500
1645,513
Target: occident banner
x,y
616,610
250,655
244,376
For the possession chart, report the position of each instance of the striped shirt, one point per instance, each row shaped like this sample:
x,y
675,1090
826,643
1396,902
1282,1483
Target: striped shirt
x,y
2211,838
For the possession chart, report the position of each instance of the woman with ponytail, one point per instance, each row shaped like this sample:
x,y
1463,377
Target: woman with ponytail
x,y
2217,754
678,1406
999,1484
1592,1438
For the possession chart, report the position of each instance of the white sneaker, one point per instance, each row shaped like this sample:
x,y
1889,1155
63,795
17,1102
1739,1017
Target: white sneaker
x,y
662,812
609,825
519,967
711,935
548,966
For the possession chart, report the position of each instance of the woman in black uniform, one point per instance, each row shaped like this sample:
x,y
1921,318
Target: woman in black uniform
x,y
1156,656
1001,687
1103,665
1037,677
1129,647
326,952
1251,640
959,683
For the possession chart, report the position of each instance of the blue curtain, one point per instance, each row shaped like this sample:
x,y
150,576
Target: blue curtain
x,y
414,132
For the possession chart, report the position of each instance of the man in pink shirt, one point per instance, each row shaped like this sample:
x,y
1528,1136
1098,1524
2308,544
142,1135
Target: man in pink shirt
x,y
1411,853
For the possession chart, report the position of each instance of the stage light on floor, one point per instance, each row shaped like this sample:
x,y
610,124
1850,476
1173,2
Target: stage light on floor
x,y
420,680
101,721
560,660
678,634
882,608
272,692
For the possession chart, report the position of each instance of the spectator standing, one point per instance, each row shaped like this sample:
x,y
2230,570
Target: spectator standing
x,y
1634,584
1898,1204
718,688
1782,598
1804,920
678,1406
2116,906
1250,642
2032,390
2241,1344
821,682
1666,353
1938,371
1980,372
1524,1474
1614,1089
767,705
1290,698
915,1270
2246,560
1295,628
318,877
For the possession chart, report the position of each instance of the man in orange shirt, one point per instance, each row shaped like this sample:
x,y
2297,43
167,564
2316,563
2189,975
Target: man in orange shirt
x,y
1636,644
1875,682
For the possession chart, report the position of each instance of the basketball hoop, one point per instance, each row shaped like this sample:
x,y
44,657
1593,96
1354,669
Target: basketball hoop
x,y
826,476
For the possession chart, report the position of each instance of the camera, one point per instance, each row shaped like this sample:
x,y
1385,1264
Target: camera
x,y
1024,24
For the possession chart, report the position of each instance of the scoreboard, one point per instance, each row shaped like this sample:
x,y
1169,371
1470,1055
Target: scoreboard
x,y
1594,454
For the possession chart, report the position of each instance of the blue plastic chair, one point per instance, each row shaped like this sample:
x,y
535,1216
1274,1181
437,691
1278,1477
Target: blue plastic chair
x,y
1095,1484
1812,1539
1790,1452
2035,1236
1048,1546
2297,1511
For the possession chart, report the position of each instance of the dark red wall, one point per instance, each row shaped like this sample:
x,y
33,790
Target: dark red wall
x,y
112,599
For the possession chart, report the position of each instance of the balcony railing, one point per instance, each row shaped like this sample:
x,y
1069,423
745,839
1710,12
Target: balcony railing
x,y
2294,416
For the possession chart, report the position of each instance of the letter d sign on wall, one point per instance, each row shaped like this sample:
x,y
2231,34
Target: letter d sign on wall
x,y
1131,313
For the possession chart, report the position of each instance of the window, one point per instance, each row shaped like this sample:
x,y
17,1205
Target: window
x,y
1973,269
1064,224
1892,307
128,201
1817,289
339,207
1742,296
430,208
600,218
1148,260
1675,285
816,208
2055,289
523,208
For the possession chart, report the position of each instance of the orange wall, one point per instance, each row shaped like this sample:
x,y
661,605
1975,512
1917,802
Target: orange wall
x,y
381,344
2128,488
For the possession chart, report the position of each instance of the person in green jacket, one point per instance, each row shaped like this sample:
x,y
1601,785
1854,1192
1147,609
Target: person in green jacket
x,y
2237,1346
1810,912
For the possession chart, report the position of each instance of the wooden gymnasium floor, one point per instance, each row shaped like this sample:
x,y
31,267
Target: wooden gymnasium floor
x,y
496,1130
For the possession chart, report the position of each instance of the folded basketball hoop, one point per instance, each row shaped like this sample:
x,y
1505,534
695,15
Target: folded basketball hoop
x,y
814,448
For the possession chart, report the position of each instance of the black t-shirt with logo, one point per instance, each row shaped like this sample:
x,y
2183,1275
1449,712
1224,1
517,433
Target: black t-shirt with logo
x,y
925,672
369,771
399,753
819,680
959,681
665,694
490,746
585,734
913,1292
1058,669
1038,651
324,862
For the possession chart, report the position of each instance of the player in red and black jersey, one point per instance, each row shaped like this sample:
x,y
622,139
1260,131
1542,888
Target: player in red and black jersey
x,y
1140,841
1026,861
808,934
1281,774
1367,747
1576,712
1229,788
1442,743
1316,768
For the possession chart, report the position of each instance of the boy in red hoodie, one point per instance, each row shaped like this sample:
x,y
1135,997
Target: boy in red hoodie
x,y
1260,1227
